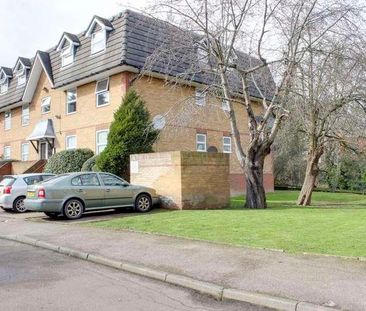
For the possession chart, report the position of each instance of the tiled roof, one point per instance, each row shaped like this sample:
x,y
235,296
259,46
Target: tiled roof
x,y
132,41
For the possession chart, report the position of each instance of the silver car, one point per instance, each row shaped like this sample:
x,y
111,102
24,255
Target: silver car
x,y
13,189
73,194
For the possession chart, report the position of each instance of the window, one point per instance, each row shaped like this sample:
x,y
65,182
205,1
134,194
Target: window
x,y
71,98
88,180
25,114
4,85
200,97
7,153
76,181
225,105
70,142
102,92
46,105
101,140
98,41
201,142
22,77
25,152
32,180
226,144
110,180
7,122
67,55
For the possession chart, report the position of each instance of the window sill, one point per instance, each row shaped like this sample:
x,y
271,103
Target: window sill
x,y
70,113
100,106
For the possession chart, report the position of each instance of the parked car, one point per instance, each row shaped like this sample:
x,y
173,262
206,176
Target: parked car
x,y
13,190
73,194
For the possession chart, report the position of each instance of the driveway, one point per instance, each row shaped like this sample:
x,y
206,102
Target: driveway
x,y
36,279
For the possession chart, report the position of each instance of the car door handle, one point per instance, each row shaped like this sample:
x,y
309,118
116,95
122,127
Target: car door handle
x,y
108,190
80,190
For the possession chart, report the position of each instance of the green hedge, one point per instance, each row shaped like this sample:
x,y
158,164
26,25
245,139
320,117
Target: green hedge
x,y
68,161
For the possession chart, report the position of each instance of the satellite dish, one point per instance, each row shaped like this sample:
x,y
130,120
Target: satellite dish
x,y
159,122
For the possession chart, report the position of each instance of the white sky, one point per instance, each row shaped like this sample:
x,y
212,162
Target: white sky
x,y
30,25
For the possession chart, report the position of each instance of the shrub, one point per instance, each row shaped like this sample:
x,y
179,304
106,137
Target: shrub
x,y
90,165
131,132
68,161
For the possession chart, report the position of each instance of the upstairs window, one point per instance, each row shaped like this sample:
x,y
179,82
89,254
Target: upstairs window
x,y
22,77
201,142
4,84
67,55
226,144
46,105
71,99
98,41
25,115
7,153
102,92
7,123
101,140
200,97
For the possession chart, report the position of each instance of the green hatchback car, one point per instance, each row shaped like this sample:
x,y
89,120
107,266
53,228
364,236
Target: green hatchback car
x,y
73,194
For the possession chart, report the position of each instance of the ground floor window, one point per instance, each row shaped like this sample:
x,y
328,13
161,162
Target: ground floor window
x,y
25,152
101,140
201,142
71,142
7,153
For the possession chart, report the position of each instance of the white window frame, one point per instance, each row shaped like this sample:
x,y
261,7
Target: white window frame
x,y
46,102
67,147
201,142
7,153
67,56
97,144
200,97
225,105
4,86
226,144
103,33
25,116
24,155
71,102
22,77
7,122
104,91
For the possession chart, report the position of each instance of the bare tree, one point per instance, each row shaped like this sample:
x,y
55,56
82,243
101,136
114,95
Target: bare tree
x,y
327,88
237,42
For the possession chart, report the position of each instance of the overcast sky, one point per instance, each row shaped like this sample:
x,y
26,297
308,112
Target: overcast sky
x,y
30,25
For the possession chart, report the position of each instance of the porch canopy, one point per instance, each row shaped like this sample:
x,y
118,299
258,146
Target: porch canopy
x,y
43,131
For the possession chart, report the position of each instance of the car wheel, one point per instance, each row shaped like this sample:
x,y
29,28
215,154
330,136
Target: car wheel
x,y
73,209
18,205
52,215
143,203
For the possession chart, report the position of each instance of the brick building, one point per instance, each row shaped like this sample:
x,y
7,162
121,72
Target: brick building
x,y
64,97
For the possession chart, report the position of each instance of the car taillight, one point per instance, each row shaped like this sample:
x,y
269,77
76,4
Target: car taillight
x,y
7,190
41,193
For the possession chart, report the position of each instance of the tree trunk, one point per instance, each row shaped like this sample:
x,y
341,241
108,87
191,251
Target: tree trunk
x,y
256,196
311,175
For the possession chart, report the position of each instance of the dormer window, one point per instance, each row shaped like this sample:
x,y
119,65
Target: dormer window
x,y
98,41
21,69
22,78
97,31
66,47
67,56
4,84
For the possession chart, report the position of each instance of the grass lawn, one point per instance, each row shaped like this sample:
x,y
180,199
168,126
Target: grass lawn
x,y
334,224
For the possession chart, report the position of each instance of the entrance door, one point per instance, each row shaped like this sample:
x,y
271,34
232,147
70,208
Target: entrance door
x,y
43,151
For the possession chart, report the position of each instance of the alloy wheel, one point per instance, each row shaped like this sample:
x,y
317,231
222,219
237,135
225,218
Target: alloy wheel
x,y
143,203
73,209
19,205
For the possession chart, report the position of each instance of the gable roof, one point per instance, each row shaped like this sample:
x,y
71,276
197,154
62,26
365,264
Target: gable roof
x,y
26,62
102,22
71,38
7,71
132,39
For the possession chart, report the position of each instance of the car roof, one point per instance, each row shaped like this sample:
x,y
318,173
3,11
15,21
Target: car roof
x,y
28,175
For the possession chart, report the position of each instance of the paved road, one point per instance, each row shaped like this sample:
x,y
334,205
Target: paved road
x,y
36,279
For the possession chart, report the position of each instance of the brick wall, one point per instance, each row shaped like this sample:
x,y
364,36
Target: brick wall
x,y
184,180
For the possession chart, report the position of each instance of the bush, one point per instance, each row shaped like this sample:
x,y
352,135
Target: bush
x,y
90,165
68,161
131,132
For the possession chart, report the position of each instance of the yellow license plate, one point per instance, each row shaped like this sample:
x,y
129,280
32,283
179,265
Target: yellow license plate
x,y
31,194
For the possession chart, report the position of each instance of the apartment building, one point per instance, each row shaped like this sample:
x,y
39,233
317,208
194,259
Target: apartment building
x,y
65,97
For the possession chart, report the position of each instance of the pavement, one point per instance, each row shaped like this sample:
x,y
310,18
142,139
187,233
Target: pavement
x,y
321,280
33,279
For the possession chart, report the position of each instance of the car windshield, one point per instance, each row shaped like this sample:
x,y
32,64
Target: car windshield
x,y
55,178
7,181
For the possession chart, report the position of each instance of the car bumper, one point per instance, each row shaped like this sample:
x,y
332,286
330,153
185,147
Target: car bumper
x,y
45,205
155,201
6,202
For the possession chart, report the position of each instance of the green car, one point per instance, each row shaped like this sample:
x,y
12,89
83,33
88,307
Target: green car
x,y
73,194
